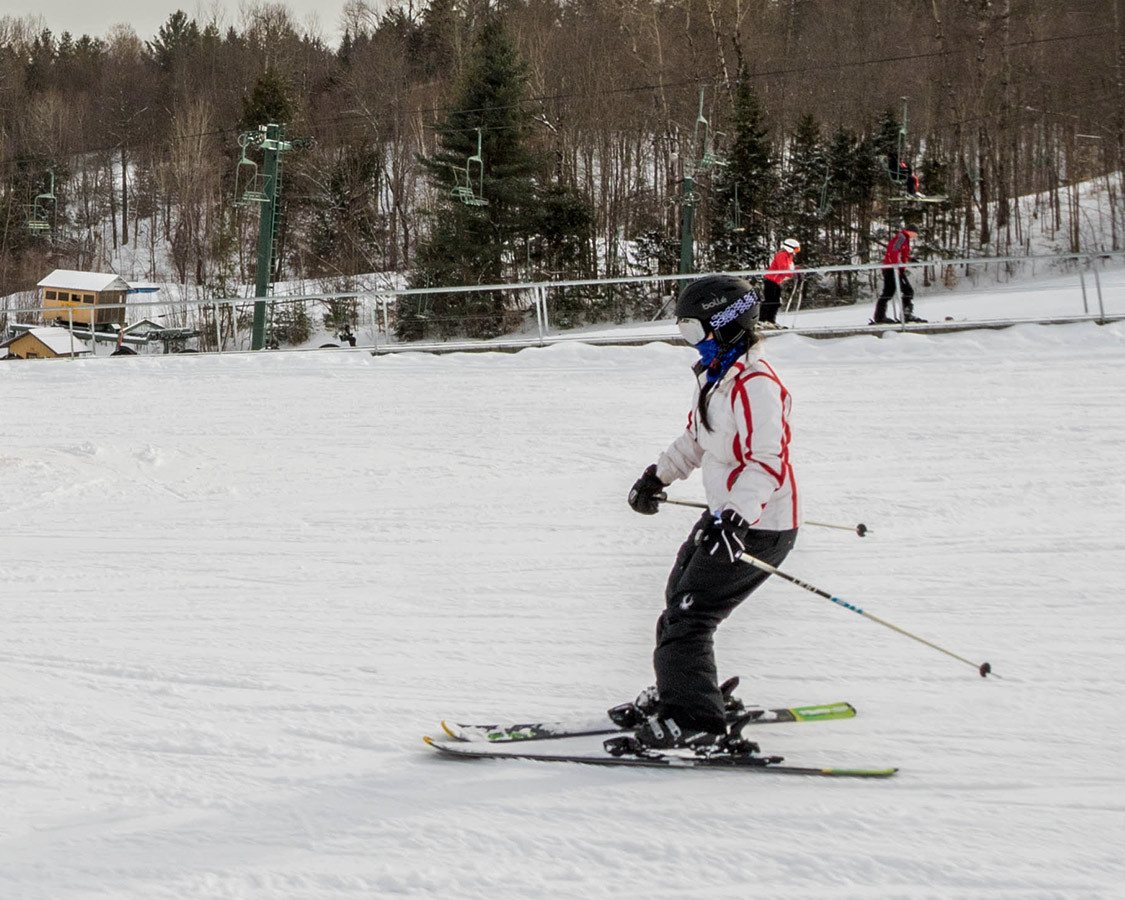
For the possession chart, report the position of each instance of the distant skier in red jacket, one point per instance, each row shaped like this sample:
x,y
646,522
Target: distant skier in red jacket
x,y
781,269
897,255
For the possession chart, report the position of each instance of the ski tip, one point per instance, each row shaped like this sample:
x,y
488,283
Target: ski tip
x,y
839,710
426,739
861,773
445,727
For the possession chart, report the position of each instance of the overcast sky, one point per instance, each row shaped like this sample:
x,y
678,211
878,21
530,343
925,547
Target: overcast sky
x,y
97,17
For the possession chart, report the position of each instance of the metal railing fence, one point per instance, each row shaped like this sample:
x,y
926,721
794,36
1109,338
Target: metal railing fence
x,y
501,316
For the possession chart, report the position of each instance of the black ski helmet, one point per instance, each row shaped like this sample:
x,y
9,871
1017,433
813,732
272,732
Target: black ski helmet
x,y
723,304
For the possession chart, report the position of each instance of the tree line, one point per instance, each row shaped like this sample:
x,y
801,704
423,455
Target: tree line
x,y
483,141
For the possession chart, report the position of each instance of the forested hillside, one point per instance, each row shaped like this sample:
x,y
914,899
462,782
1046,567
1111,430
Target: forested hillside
x,y
471,142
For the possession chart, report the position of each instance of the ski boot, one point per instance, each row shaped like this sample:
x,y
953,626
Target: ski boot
x,y
633,715
885,320
910,317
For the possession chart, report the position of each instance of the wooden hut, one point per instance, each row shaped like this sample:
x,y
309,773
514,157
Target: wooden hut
x,y
44,343
66,296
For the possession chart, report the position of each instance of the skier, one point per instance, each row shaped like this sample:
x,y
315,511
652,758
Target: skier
x,y
738,434
898,253
782,268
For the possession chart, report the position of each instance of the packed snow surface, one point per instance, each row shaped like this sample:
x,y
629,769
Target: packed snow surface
x,y
237,590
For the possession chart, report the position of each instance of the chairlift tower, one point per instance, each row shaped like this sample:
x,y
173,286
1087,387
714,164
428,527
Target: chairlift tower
x,y
262,187
689,198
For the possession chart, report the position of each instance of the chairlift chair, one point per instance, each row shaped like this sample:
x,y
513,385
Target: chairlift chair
x,y
254,182
709,157
463,189
38,219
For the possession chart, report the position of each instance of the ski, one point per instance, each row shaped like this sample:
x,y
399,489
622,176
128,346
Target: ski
x,y
604,724
655,760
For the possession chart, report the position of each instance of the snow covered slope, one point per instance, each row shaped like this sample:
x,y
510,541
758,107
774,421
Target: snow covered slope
x,y
237,592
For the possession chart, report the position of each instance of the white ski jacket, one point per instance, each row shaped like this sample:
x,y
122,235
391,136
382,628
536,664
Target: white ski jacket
x,y
745,455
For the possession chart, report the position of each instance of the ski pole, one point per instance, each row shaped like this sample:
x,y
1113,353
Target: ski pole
x,y
983,668
859,529
792,294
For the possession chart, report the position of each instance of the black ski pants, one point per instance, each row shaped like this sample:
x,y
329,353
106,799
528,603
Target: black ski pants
x,y
889,291
702,591
771,301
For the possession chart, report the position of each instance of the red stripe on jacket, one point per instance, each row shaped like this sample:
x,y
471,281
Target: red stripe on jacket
x,y
786,436
739,394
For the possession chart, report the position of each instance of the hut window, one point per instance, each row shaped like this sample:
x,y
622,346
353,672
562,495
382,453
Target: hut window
x,y
63,295
89,298
52,295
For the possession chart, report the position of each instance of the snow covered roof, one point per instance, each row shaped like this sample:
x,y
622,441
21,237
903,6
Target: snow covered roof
x,y
69,279
58,340
144,326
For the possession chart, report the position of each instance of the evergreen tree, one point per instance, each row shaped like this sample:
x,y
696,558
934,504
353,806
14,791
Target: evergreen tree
x,y
838,194
850,193
470,241
441,27
886,141
866,178
804,190
175,39
346,226
39,62
562,247
268,102
934,171
743,191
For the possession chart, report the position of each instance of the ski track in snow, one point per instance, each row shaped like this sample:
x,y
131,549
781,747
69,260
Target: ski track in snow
x,y
237,590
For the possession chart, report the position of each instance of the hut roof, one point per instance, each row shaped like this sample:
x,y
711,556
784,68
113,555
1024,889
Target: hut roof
x,y
55,339
68,279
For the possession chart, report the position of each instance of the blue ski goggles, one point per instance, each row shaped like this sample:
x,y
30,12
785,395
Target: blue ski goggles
x,y
693,330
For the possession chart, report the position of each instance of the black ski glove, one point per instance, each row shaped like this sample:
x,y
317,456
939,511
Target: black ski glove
x,y
647,492
724,536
